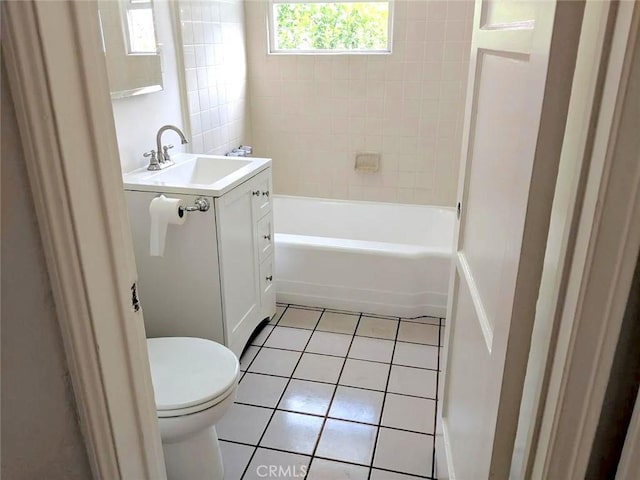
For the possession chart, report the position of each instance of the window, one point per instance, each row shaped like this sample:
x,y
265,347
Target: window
x,y
322,26
140,29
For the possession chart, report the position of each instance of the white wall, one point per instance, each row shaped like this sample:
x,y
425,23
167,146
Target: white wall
x,y
213,39
312,113
40,433
138,118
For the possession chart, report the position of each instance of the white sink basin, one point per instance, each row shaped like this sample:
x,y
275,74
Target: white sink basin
x,y
211,175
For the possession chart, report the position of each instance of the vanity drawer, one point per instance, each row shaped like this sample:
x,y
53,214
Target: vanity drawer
x,y
265,237
267,282
261,194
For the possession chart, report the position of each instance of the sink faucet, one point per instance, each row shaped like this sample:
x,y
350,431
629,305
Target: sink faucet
x,y
162,152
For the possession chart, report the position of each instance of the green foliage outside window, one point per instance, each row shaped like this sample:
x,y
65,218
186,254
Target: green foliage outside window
x,y
331,26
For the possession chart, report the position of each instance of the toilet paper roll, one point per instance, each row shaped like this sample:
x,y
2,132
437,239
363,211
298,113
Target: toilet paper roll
x,y
163,211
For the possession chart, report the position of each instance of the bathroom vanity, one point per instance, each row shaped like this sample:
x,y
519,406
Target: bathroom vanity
x,y
215,278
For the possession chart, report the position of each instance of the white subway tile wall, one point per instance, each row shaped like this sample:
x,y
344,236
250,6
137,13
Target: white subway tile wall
x,y
312,113
213,41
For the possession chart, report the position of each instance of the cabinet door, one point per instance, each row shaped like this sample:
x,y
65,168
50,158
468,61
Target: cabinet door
x,y
261,194
267,288
238,265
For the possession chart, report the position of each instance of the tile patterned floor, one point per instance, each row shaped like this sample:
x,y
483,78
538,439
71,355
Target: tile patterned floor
x,y
336,395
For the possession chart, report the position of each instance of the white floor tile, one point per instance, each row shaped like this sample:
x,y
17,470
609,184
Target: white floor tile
x,y
243,423
263,390
279,311
409,413
404,452
357,405
247,357
329,470
260,338
359,373
414,355
418,333
319,368
351,442
329,343
235,458
300,318
275,362
307,397
413,381
377,327
288,338
375,349
338,323
268,464
293,432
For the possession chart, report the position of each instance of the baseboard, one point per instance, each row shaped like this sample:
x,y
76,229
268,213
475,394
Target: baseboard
x,y
444,461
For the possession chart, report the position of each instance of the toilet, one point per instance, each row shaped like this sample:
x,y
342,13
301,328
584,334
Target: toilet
x,y
194,381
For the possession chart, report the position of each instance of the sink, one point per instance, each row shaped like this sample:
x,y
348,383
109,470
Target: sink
x,y
201,171
211,175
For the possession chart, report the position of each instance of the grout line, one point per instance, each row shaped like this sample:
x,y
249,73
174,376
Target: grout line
x,y
384,399
255,449
260,346
283,391
341,356
318,415
412,475
335,391
435,414
350,386
336,385
356,334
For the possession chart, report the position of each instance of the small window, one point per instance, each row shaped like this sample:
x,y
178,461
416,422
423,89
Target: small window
x,y
321,26
140,29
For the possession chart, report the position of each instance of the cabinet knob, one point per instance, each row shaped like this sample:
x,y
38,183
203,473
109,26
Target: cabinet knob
x,y
266,194
267,237
269,278
255,193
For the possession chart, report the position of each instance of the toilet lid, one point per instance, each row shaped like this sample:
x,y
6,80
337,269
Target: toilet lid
x,y
189,371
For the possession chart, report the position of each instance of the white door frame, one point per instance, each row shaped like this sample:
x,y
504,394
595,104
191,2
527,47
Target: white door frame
x,y
58,81
604,259
629,466
60,89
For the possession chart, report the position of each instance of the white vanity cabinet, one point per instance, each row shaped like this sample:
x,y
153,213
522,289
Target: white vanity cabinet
x,y
244,225
215,277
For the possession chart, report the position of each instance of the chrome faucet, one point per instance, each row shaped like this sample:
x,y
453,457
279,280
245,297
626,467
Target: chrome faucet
x,y
164,160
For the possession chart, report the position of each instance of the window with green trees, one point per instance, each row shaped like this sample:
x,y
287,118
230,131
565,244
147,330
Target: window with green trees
x,y
338,26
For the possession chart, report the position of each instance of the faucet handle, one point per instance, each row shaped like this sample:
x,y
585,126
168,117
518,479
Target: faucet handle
x,y
165,157
153,162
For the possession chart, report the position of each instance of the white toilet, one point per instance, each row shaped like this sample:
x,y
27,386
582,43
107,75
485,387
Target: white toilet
x,y
194,381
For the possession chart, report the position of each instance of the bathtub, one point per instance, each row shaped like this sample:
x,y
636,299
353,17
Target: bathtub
x,y
380,258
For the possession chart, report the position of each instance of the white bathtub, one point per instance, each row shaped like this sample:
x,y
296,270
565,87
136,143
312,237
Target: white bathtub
x,y
382,258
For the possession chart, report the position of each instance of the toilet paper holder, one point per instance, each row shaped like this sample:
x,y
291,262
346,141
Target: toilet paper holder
x,y
201,205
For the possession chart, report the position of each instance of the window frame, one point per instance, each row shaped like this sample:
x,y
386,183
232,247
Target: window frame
x,y
271,28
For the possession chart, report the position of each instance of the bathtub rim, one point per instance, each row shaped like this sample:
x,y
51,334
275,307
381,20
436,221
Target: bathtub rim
x,y
365,202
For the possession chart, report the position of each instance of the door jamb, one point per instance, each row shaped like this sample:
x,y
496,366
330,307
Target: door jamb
x,y
607,245
59,85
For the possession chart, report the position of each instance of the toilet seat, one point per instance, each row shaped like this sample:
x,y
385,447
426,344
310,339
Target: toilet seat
x,y
190,374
